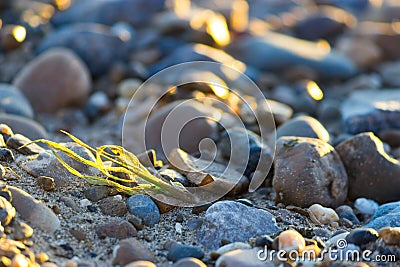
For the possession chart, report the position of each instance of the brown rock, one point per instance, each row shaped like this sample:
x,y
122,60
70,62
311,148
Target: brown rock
x,y
372,173
116,228
46,183
308,171
55,79
78,234
130,250
362,51
112,206
391,236
391,137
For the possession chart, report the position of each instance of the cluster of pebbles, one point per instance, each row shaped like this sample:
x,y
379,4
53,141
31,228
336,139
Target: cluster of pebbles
x,y
329,69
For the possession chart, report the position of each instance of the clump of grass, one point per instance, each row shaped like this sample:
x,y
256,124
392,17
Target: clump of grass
x,y
123,162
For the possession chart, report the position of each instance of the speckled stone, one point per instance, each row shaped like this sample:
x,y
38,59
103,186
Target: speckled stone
x,y
235,222
143,207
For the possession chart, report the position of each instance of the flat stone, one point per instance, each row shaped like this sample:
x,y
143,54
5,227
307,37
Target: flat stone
x,y
116,228
372,173
46,164
235,222
14,102
96,193
179,251
113,207
130,250
143,207
371,111
275,52
194,52
308,171
30,128
57,74
303,126
34,211
18,140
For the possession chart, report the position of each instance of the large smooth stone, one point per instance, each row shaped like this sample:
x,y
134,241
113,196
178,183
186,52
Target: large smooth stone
x,y
55,79
308,171
34,211
235,222
372,173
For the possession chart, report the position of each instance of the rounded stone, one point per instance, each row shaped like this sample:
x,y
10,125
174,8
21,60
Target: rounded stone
x,y
373,174
291,240
30,128
366,206
55,79
116,228
14,102
179,251
143,207
323,215
308,171
131,250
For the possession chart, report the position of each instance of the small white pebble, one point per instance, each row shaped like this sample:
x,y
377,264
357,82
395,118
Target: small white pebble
x,y
366,206
118,197
324,215
178,228
84,202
